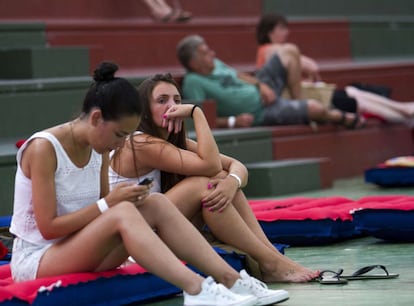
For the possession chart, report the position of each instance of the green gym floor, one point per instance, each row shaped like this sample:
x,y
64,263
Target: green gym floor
x,y
350,256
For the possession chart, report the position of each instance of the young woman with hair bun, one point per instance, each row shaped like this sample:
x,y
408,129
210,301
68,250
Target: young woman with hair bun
x,y
63,204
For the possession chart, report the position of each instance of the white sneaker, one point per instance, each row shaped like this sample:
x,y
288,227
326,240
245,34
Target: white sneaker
x,y
250,285
213,294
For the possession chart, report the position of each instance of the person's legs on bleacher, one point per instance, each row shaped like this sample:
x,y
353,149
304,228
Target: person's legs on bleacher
x,y
388,109
161,11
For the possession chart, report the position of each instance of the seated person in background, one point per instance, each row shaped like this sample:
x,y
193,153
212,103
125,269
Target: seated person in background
x,y
204,184
272,35
244,100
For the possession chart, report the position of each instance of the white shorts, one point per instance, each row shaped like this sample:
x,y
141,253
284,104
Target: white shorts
x,y
25,259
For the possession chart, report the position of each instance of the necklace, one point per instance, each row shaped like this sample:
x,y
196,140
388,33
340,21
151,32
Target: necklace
x,y
77,148
72,134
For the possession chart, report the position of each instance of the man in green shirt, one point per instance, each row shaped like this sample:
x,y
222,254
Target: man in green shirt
x,y
244,100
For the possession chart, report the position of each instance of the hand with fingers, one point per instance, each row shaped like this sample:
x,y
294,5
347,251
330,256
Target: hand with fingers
x,y
174,116
128,192
222,193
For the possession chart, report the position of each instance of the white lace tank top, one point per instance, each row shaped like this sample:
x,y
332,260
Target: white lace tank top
x,y
115,178
75,188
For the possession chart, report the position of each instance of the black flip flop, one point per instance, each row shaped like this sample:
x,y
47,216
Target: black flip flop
x,y
329,277
361,274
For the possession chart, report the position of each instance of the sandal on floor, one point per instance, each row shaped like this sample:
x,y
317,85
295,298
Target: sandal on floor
x,y
177,15
329,277
361,274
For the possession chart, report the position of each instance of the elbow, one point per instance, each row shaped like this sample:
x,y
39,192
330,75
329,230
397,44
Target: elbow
x,y
48,236
217,168
212,169
49,233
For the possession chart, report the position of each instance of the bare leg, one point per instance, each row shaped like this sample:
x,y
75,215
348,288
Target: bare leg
x,y
240,229
318,112
158,8
186,242
161,11
386,108
290,56
122,230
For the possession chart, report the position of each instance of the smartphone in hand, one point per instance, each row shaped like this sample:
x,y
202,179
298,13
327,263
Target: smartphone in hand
x,y
146,181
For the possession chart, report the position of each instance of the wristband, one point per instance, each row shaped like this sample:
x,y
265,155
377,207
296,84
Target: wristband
x,y
238,179
231,122
102,205
192,110
257,84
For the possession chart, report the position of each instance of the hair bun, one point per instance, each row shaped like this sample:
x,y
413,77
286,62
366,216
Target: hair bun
x,y
105,72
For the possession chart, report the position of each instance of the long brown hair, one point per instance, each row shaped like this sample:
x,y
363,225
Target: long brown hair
x,y
148,126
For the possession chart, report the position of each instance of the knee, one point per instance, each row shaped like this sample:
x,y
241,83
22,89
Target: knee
x,y
155,199
197,184
158,203
123,210
158,207
315,108
290,56
198,180
291,49
123,214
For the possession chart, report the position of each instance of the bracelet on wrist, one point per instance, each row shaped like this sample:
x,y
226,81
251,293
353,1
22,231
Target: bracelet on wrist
x,y
102,205
231,122
192,110
257,84
238,179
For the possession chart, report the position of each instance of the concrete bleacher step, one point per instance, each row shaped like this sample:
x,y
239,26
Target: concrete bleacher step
x,y
39,103
350,151
282,177
43,62
25,54
17,35
139,46
246,145
120,40
339,8
379,36
376,28
36,104
7,172
396,73
125,9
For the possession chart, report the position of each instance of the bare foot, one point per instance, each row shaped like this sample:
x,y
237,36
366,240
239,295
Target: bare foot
x,y
407,108
288,271
175,15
